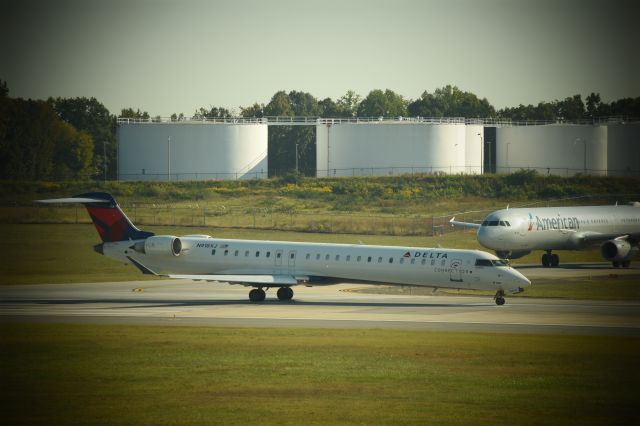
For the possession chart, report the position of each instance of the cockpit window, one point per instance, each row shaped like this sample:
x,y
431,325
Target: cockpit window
x,y
496,223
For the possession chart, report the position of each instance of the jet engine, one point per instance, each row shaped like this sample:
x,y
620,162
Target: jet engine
x,y
618,250
161,245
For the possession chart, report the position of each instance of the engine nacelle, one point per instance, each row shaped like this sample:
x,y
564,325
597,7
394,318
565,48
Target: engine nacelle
x,y
618,250
163,245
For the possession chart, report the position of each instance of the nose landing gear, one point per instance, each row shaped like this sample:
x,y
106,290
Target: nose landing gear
x,y
499,297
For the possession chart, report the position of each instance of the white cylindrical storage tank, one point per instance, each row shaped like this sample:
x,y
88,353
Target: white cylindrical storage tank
x,y
623,149
192,151
378,149
473,148
560,149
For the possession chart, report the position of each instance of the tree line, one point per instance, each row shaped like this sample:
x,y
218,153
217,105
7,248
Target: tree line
x,y
74,138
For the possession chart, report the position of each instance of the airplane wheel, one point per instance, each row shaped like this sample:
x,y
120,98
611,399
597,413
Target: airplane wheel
x,y
500,300
626,263
554,260
285,293
257,295
615,264
545,260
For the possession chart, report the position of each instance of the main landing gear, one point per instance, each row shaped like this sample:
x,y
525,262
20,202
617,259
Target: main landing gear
x,y
550,260
258,294
499,297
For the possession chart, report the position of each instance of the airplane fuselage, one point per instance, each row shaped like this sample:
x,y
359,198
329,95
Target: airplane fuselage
x,y
556,228
317,263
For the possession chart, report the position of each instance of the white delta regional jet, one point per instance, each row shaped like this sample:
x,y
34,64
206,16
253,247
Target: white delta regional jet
x,y
514,233
281,265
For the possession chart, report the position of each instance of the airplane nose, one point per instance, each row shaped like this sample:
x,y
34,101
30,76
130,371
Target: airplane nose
x,y
483,238
520,279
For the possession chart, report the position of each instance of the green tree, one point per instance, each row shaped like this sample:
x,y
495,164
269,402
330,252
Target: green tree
x,y
382,104
211,113
254,111
130,113
4,90
450,101
92,117
348,104
73,152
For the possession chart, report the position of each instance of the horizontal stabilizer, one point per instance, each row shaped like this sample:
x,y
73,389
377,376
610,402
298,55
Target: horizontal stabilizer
x,y
453,222
71,200
244,279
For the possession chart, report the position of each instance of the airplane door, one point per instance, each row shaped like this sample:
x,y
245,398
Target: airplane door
x,y
278,258
454,270
292,261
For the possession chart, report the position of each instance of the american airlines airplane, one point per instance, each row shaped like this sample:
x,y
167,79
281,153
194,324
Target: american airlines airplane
x,y
514,233
281,265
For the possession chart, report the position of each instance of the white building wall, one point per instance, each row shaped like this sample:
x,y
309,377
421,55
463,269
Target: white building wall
x,y
378,149
552,149
190,151
623,149
473,149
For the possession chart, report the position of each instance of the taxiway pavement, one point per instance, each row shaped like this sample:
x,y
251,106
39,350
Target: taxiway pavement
x,y
183,302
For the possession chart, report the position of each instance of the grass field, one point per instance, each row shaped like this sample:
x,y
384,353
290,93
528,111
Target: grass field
x,y
125,375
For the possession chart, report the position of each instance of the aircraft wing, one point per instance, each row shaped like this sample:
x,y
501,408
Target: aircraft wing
x,y
588,238
265,280
454,222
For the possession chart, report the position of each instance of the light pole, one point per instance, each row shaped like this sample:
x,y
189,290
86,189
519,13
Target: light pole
x,y
508,169
585,153
296,158
169,159
481,154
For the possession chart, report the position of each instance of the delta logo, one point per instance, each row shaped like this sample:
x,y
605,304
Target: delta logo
x,y
426,254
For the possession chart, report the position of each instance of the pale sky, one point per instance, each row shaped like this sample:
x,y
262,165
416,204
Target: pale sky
x,y
167,56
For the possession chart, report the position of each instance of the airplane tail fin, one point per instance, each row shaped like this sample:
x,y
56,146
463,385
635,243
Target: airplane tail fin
x,y
107,216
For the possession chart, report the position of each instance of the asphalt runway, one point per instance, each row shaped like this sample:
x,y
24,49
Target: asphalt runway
x,y
184,302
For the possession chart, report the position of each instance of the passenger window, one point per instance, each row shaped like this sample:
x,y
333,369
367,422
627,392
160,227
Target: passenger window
x,y
359,258
257,254
391,260
318,256
368,259
292,256
337,257
226,252
433,262
327,257
424,261
413,261
213,252
246,253
268,254
308,256
380,260
401,260
348,258
443,262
